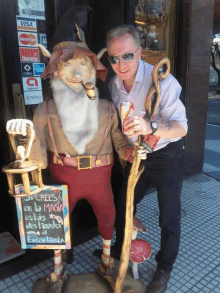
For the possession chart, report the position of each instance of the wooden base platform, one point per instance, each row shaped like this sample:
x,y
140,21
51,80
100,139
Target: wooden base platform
x,y
88,283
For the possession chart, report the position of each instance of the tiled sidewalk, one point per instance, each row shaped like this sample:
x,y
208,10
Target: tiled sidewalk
x,y
211,165
197,268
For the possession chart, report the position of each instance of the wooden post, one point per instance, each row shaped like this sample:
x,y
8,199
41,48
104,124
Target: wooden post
x,y
134,175
26,181
37,177
11,183
58,264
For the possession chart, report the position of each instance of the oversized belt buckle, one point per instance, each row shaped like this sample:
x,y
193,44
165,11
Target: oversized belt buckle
x,y
84,162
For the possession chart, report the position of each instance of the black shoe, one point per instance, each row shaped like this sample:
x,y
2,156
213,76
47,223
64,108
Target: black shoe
x,y
159,282
115,252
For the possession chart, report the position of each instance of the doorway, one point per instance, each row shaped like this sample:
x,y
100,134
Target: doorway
x,y
212,143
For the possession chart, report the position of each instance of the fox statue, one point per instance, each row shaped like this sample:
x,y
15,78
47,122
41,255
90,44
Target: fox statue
x,y
78,130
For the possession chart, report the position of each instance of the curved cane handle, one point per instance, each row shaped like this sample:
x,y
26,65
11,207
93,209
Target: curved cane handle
x,y
157,76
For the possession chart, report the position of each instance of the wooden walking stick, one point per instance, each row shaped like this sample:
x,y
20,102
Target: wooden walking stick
x,y
151,104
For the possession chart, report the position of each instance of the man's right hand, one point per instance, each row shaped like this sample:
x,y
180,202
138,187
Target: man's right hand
x,y
18,126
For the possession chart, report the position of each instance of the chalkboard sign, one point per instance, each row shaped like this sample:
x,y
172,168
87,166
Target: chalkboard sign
x,y
44,218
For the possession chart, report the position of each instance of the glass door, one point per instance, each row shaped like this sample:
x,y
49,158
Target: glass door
x,y
155,19
24,29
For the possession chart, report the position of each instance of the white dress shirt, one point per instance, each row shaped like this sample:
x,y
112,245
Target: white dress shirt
x,y
170,106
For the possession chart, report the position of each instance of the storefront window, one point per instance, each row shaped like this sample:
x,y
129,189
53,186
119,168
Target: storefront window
x,y
155,19
31,31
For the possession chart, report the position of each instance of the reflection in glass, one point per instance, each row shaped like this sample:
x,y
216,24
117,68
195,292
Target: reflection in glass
x,y
155,20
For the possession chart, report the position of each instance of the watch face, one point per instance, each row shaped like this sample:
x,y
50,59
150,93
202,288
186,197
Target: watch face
x,y
154,125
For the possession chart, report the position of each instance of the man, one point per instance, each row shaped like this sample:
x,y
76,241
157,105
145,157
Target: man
x,y
163,167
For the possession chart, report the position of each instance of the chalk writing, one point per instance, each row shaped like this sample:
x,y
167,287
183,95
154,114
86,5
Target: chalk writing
x,y
58,218
45,240
53,207
32,232
43,217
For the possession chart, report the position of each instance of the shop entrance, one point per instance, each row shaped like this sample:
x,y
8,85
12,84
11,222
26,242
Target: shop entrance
x,y
9,75
23,25
212,143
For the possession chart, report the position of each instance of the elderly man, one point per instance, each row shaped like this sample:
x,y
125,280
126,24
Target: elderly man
x,y
164,166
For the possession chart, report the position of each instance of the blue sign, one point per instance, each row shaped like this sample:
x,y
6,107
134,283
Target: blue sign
x,y
43,40
38,68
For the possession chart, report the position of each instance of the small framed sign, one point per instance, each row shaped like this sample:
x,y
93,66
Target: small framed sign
x,y
44,218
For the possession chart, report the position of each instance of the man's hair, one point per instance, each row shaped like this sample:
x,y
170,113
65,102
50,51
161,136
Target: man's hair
x,y
122,30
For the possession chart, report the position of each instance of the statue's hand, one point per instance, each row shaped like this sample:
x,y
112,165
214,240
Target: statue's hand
x,y
18,126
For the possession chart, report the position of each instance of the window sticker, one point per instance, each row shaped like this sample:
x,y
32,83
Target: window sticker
x,y
43,40
32,8
38,68
26,24
33,97
29,54
27,69
31,84
27,39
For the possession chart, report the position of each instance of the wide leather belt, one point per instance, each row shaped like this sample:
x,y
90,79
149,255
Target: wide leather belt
x,y
84,162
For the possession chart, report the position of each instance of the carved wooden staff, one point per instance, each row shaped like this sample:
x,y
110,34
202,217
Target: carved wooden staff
x,y
151,106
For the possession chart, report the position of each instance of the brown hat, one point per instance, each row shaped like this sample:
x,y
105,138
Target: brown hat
x,y
66,50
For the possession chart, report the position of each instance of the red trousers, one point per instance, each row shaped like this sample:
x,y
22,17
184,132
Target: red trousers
x,y
94,185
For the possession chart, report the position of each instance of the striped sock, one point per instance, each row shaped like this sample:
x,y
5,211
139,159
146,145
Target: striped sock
x,y
106,252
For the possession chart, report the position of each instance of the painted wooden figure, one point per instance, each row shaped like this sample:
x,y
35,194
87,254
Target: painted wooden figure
x,y
78,129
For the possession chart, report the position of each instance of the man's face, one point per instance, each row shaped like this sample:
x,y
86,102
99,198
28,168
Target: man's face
x,y
126,71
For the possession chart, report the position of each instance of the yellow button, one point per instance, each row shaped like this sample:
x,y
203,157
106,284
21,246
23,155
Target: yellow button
x,y
98,162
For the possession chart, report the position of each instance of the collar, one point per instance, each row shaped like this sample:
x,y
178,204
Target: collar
x,y
140,72
139,75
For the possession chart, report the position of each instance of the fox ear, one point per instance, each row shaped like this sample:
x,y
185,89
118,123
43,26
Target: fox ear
x,y
99,55
60,64
44,51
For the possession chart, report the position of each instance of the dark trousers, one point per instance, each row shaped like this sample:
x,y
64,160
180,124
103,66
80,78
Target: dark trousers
x,y
163,169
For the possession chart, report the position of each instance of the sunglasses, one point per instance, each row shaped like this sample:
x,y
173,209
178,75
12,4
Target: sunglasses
x,y
127,57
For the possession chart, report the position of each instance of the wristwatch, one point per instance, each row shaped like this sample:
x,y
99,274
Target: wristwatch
x,y
154,127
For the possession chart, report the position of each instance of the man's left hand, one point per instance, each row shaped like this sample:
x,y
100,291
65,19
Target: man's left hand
x,y
135,125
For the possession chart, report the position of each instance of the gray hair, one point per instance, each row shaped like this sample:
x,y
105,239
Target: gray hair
x,y
122,30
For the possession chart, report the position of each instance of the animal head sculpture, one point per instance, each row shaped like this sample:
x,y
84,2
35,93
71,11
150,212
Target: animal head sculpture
x,y
75,65
73,69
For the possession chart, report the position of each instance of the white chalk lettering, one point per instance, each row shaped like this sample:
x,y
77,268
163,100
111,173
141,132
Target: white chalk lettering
x,y
28,198
44,232
27,208
46,197
37,208
31,226
50,226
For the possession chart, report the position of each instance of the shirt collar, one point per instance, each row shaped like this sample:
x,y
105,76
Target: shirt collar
x,y
139,75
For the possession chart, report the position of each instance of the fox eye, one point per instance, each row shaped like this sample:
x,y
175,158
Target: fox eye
x,y
67,65
83,63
